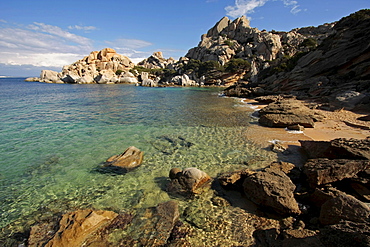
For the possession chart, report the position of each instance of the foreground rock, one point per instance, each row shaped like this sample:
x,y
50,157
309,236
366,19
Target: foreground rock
x,y
340,148
324,171
76,229
130,159
343,207
188,181
345,234
288,112
273,189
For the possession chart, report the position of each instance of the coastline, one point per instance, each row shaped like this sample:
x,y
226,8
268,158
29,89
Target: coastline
x,y
337,124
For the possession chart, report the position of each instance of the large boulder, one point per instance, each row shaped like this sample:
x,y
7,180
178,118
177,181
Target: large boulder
x,y
346,234
286,113
324,171
340,148
50,76
78,228
343,207
130,159
273,189
188,181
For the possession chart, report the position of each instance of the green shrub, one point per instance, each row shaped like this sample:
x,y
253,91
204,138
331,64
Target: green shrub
x,y
237,65
118,72
310,43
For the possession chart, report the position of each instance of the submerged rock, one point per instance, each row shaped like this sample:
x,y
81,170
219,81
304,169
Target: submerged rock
x,y
130,159
78,228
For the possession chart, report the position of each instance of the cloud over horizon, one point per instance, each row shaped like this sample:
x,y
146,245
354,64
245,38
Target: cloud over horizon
x,y
245,7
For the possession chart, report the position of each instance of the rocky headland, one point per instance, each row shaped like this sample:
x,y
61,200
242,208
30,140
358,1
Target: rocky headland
x,y
305,80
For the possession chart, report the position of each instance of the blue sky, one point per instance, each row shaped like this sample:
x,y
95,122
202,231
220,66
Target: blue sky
x,y
47,34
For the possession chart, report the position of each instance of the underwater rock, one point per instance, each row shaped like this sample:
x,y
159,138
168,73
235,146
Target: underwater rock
x,y
153,226
78,228
170,145
273,189
131,158
188,181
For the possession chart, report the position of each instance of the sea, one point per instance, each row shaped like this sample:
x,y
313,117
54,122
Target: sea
x,y
54,139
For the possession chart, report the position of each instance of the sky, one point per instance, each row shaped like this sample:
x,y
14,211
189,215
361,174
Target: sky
x,y
48,34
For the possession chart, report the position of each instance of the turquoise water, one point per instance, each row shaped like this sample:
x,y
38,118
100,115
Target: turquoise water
x,y
54,136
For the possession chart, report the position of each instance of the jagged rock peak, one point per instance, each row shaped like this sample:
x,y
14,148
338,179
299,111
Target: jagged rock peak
x,y
226,24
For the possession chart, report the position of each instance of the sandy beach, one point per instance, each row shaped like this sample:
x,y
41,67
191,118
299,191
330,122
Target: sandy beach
x,y
338,124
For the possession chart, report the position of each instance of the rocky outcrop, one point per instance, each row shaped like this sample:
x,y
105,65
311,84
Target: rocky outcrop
x,y
324,171
156,61
103,67
286,113
236,39
339,148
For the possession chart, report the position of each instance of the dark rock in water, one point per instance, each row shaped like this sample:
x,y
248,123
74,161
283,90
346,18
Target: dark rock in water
x,y
340,148
286,113
130,159
170,145
155,224
343,207
273,189
324,171
188,181
346,234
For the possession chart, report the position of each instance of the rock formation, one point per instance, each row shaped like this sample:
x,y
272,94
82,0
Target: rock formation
x,y
103,67
188,181
130,159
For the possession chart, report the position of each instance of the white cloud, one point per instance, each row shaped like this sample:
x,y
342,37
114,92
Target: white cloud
x,y
57,31
41,45
85,28
293,4
244,7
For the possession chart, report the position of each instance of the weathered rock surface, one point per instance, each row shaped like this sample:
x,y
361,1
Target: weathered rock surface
x,y
286,113
130,159
78,228
271,188
98,67
324,171
343,207
188,181
340,148
156,61
346,234
154,226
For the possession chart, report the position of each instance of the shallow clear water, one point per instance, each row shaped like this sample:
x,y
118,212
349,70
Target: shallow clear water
x,y
54,136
